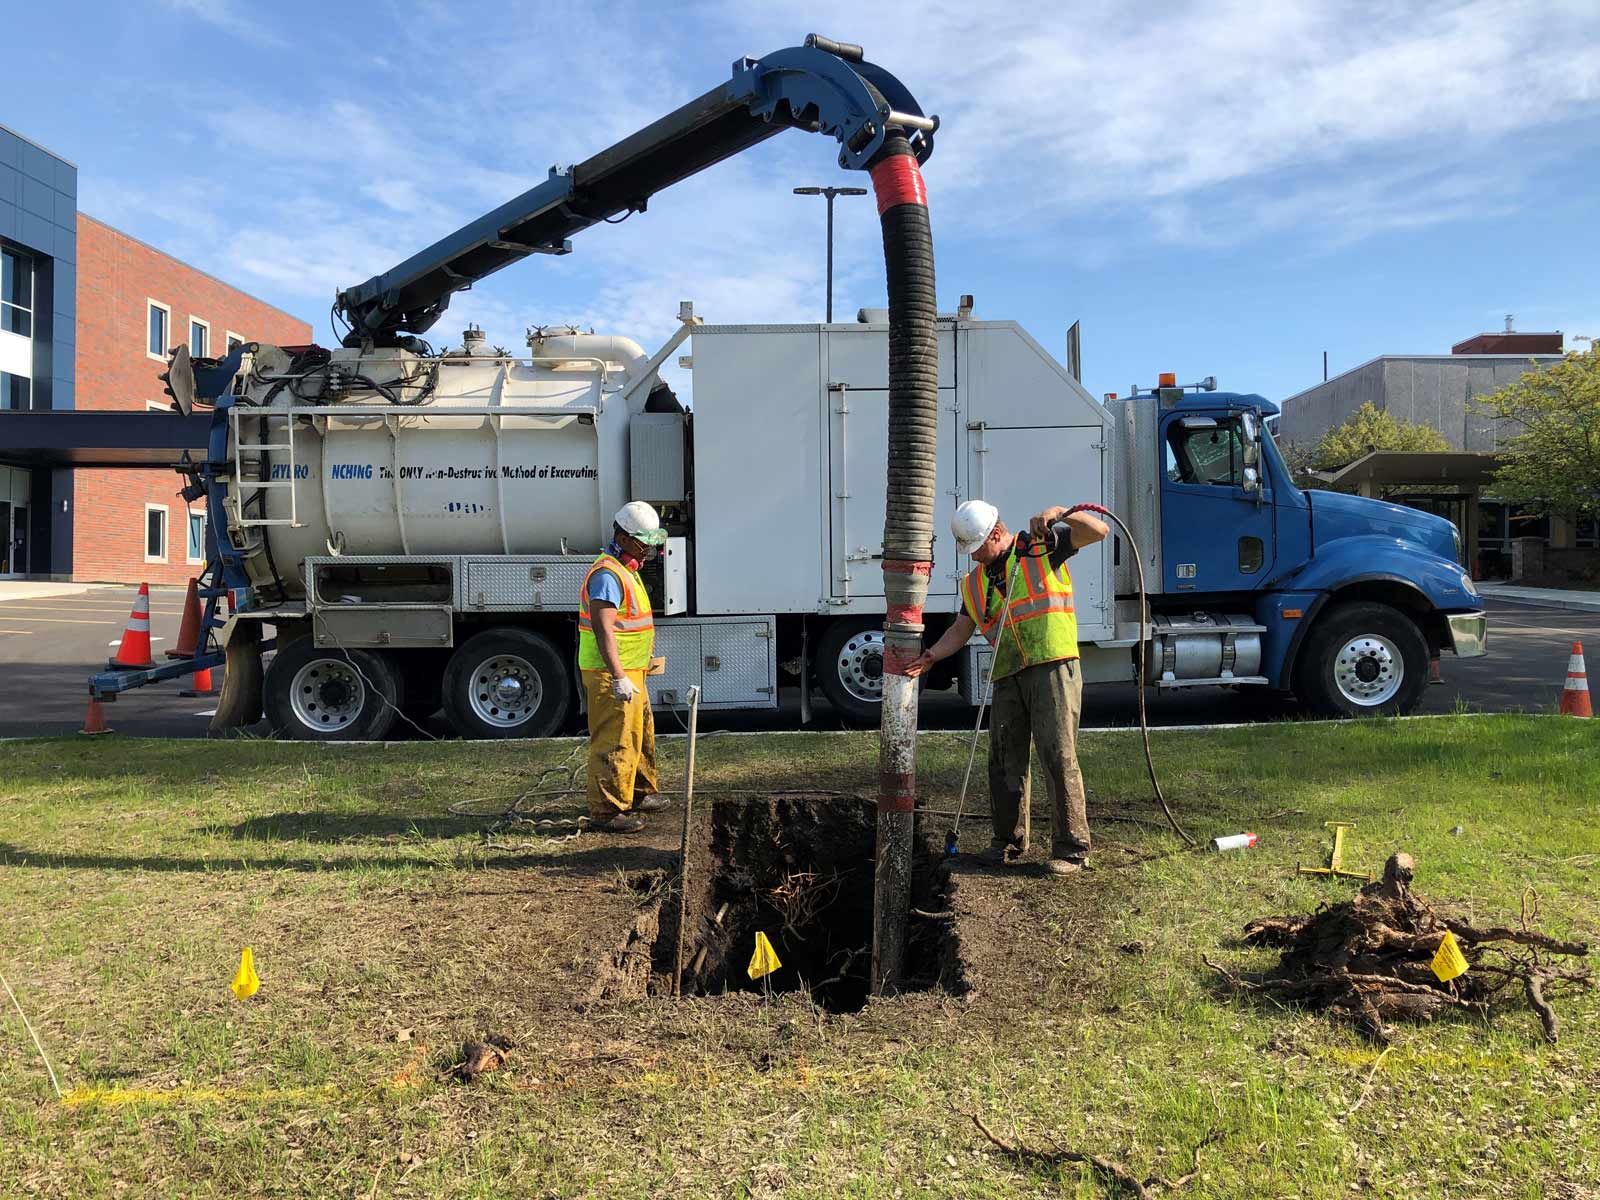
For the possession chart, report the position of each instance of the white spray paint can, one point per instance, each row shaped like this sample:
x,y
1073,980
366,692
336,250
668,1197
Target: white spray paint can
x,y
1237,841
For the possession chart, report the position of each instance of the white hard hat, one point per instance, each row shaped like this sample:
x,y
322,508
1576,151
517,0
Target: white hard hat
x,y
640,522
974,521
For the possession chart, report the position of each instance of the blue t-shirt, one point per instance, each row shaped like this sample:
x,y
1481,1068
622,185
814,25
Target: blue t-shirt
x,y
604,584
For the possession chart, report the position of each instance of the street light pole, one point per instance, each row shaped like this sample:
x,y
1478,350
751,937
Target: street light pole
x,y
829,193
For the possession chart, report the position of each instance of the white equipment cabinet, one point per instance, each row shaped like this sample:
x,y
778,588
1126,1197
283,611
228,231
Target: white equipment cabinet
x,y
790,453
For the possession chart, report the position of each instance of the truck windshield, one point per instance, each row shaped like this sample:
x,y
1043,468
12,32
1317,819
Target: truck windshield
x,y
1214,455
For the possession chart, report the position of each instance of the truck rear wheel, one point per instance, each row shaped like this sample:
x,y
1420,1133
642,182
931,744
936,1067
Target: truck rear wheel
x,y
507,683
1363,660
849,668
330,695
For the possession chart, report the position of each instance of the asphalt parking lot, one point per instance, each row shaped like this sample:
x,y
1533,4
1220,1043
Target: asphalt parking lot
x,y
50,646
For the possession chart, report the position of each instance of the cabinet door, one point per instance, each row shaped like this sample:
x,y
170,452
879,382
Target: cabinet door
x,y
738,664
858,458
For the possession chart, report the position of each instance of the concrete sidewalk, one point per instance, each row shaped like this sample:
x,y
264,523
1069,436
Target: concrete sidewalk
x,y
1572,601
30,589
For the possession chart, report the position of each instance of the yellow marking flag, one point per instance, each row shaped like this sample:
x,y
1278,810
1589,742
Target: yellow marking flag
x,y
246,983
1449,961
765,960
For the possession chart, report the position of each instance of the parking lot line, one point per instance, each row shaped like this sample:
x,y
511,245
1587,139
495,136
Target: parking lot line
x,y
51,620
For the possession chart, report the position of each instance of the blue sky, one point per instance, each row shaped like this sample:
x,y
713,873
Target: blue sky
x,y
1212,188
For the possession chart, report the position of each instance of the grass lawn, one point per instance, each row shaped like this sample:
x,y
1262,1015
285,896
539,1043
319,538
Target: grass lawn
x,y
386,931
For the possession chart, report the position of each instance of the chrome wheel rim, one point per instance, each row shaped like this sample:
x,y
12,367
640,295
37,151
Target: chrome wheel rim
x,y
327,694
1368,670
506,691
860,666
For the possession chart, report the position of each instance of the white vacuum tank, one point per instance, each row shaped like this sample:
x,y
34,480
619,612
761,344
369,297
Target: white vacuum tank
x,y
487,454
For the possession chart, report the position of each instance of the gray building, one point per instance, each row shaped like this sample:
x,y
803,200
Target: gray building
x,y
38,323
1438,390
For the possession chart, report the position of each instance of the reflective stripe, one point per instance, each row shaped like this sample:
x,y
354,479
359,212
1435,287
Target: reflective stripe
x,y
139,624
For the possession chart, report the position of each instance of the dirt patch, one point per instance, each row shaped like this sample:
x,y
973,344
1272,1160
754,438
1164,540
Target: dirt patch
x,y
798,868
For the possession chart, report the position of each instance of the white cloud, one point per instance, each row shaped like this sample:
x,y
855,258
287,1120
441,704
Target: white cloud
x,y
226,16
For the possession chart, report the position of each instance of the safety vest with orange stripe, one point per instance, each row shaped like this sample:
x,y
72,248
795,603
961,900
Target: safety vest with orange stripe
x,y
635,626
1042,627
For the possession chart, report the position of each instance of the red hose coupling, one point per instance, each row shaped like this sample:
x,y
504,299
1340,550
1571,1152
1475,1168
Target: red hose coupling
x,y
898,180
1094,508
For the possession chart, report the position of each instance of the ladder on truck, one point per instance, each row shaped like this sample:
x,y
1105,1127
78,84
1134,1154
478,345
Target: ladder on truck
x,y
251,489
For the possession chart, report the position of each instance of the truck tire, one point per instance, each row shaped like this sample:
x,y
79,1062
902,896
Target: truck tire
x,y
849,669
506,683
319,694
1362,660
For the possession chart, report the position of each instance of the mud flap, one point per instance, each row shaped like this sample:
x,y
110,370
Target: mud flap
x,y
240,702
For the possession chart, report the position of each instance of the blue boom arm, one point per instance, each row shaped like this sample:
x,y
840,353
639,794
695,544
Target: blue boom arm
x,y
823,86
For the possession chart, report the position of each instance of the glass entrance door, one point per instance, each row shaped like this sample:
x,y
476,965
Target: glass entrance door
x,y
13,522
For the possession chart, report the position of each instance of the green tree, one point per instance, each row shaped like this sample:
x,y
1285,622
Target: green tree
x,y
1372,429
1552,461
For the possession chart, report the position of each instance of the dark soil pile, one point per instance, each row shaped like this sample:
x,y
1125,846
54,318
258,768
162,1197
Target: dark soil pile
x,y
1369,959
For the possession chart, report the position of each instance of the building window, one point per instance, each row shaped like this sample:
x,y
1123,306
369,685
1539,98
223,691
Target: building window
x,y
234,341
16,293
160,324
15,391
199,338
197,538
155,533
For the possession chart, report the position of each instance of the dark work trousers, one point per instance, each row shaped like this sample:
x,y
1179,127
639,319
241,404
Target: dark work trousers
x,y
1039,706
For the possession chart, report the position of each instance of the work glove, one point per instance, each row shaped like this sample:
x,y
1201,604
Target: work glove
x,y
622,688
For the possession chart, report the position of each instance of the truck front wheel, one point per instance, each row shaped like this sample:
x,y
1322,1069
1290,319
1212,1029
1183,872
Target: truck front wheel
x,y
507,683
1363,660
330,695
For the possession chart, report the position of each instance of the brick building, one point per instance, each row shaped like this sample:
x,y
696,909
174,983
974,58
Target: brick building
x,y
134,303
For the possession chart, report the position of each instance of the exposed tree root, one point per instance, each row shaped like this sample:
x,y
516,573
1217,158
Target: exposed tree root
x,y
1110,1168
1368,959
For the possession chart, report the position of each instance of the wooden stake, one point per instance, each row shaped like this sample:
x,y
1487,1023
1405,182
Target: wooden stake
x,y
683,847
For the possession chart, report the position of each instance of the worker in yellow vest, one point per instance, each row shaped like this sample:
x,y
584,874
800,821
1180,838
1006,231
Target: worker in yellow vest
x,y
616,637
1019,596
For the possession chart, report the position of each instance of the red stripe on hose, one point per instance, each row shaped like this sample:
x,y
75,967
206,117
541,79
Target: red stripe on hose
x,y
905,614
896,659
908,566
896,793
898,180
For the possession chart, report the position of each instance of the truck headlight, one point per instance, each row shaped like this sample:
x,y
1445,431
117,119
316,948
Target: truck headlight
x,y
1467,584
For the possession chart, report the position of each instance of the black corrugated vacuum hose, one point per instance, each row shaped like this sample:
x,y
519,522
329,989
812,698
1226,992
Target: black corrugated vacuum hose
x,y
908,528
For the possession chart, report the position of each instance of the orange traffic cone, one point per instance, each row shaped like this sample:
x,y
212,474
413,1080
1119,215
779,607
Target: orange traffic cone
x,y
189,631
202,684
1575,696
94,721
135,648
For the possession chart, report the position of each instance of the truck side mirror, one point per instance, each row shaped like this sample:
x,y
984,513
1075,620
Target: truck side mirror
x,y
1251,480
1250,435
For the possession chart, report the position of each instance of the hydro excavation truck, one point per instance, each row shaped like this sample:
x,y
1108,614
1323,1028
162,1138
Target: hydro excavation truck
x,y
392,530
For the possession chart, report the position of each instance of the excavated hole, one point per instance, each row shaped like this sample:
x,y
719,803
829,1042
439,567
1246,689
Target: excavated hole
x,y
799,869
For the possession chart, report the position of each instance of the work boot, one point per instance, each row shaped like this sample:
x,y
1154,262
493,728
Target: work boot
x,y
654,802
623,822
1064,866
1001,855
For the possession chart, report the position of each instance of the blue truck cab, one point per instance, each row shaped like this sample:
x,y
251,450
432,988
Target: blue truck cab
x,y
1343,600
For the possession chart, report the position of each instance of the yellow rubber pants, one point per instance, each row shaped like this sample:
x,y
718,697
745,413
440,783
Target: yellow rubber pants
x,y
622,745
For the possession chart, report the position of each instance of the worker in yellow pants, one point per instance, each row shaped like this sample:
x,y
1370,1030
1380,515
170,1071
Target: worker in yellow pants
x,y
616,637
622,751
